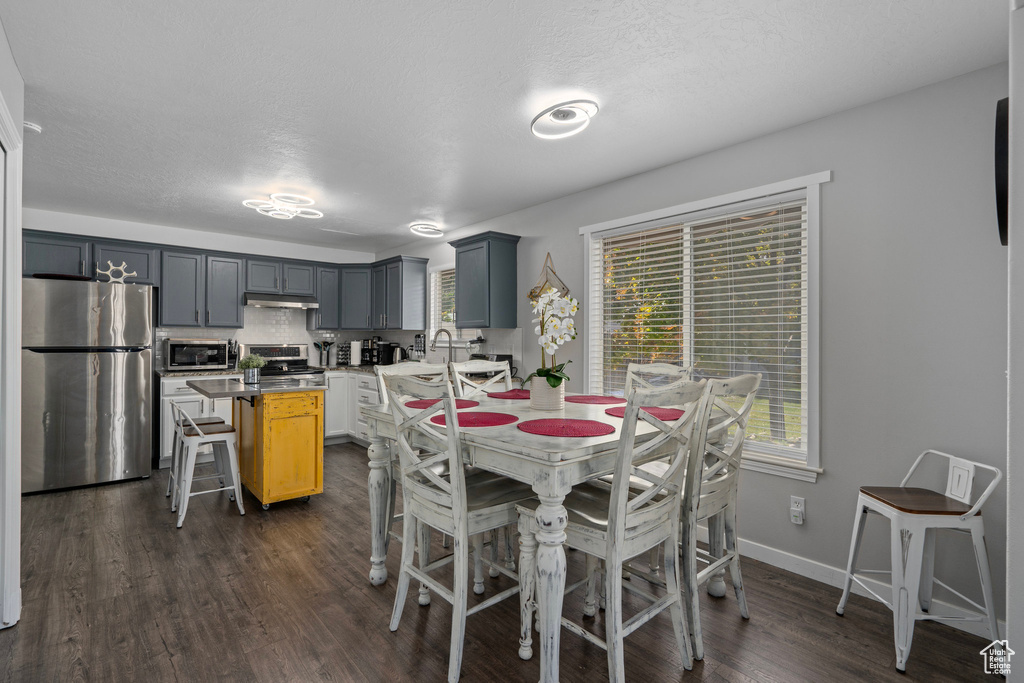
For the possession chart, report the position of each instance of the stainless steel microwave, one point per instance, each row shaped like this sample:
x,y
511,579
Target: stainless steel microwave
x,y
196,354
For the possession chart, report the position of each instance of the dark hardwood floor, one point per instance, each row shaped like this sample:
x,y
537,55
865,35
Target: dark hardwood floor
x,y
114,592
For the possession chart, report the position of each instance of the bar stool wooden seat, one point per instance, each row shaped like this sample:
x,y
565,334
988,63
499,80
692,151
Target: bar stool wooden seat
x,y
190,436
172,475
914,514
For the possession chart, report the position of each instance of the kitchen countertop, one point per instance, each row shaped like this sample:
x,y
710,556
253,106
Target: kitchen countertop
x,y
163,372
233,388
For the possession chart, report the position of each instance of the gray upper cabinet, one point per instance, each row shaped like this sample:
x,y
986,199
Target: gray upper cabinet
x,y
298,279
328,316
355,297
141,260
224,289
379,296
182,294
485,281
55,255
263,276
400,293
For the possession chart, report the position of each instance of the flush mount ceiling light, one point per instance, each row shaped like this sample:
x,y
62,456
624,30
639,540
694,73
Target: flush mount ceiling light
x,y
284,205
563,120
426,230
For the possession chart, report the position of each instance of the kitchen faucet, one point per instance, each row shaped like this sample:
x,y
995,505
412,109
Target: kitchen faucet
x,y
433,342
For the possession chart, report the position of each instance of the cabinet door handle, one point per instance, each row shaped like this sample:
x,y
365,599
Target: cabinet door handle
x,y
82,266
207,317
275,282
197,315
367,321
286,283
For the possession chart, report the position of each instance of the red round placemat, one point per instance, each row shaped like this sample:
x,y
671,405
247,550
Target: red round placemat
x,y
460,403
479,419
515,393
663,414
563,427
595,400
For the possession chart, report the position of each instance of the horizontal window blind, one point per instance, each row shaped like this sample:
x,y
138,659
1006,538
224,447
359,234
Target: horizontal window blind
x,y
725,292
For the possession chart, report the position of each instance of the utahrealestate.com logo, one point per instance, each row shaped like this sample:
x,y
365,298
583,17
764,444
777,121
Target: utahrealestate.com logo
x,y
997,657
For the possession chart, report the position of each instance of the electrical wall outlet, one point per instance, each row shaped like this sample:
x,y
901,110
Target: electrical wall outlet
x,y
796,510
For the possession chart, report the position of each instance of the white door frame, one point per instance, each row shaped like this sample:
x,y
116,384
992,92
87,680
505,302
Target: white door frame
x,y
10,372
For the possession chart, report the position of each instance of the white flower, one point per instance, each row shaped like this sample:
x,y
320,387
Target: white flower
x,y
551,348
554,326
536,330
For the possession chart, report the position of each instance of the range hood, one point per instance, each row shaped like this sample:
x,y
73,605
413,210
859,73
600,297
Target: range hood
x,y
280,301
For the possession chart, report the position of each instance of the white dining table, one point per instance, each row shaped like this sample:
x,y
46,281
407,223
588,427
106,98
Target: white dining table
x,y
552,465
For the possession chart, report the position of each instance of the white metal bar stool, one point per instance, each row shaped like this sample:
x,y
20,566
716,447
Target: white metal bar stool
x,y
914,514
190,436
172,475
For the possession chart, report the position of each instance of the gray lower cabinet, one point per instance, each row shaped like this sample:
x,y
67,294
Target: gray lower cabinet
x,y
224,289
328,316
355,298
182,285
298,279
55,256
485,281
263,277
143,261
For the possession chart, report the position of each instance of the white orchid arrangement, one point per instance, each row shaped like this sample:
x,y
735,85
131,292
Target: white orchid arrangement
x,y
555,327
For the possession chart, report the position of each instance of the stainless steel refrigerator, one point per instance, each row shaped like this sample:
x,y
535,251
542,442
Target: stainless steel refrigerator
x,y
86,364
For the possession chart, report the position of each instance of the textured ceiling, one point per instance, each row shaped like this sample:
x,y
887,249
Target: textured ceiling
x,y
387,113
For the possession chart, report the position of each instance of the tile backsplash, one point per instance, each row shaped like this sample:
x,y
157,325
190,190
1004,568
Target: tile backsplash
x,y
288,326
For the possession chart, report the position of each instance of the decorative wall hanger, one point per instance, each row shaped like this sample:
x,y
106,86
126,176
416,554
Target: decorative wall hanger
x,y
548,278
109,272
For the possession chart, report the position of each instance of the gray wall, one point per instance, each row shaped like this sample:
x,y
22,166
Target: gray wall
x,y
1015,459
913,298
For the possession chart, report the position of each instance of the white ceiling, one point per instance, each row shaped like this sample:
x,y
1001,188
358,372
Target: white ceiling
x,y
392,112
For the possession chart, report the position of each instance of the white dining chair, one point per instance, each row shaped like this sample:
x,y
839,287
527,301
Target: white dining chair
x,y
914,514
467,387
612,523
447,499
470,387
713,489
434,372
190,436
647,375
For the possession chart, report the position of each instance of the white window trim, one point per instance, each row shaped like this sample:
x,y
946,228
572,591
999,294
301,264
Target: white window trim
x,y
811,184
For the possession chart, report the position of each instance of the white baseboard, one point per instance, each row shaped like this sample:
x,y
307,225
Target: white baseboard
x,y
835,576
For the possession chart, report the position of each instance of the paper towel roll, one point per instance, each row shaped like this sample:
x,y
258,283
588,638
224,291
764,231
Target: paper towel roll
x,y
356,353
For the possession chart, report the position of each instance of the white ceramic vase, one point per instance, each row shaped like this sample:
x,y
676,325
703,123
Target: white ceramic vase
x,y
545,397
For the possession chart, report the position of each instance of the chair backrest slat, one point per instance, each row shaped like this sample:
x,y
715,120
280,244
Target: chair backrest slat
x,y
436,371
647,375
722,428
672,441
422,446
466,387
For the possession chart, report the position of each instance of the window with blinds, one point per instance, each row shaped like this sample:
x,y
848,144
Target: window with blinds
x,y
442,299
724,291
442,304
